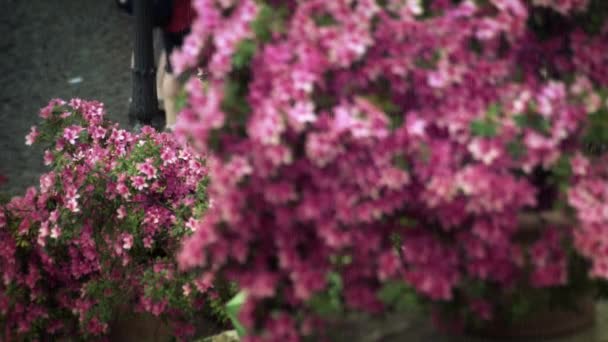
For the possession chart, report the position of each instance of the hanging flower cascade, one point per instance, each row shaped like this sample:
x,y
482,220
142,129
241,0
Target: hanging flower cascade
x,y
399,140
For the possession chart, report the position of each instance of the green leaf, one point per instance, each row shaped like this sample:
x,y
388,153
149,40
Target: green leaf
x,y
493,111
244,53
407,221
516,149
533,121
233,307
325,19
400,162
269,20
483,128
562,169
335,281
181,100
399,295
391,291
329,302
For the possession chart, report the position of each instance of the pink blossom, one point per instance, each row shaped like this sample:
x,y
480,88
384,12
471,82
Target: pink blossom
x,y
71,198
72,133
369,115
147,169
127,241
55,232
580,165
48,157
121,212
32,136
186,289
46,182
139,183
204,282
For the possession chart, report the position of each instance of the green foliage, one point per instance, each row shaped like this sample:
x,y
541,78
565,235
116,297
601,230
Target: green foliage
x,y
516,149
270,19
594,18
329,302
483,128
181,100
534,121
486,127
324,19
561,173
595,140
386,104
233,307
244,53
399,296
400,162
235,101
407,222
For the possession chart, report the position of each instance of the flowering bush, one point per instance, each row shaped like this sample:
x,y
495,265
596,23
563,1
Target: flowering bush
x,y
97,239
337,130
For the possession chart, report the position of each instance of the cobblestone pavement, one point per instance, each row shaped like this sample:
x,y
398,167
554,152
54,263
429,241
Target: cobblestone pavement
x,y
44,44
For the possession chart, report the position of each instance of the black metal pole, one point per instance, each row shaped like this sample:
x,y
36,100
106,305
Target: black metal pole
x,y
144,103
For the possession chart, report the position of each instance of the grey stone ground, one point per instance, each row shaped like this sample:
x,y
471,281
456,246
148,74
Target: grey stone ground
x,y
44,43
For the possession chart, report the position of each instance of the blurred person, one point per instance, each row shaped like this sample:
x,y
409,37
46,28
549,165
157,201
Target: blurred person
x,y
182,16
174,18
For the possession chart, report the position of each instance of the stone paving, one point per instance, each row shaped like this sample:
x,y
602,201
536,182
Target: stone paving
x,y
46,43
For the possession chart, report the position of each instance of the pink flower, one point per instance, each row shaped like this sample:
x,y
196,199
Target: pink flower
x,y
204,282
580,165
43,232
127,241
388,266
168,156
549,260
148,241
593,102
139,183
71,199
121,212
31,137
147,169
55,232
121,187
97,132
186,289
72,133
48,157
46,182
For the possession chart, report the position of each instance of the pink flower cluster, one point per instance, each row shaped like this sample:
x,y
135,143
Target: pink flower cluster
x,y
548,259
370,120
589,196
87,243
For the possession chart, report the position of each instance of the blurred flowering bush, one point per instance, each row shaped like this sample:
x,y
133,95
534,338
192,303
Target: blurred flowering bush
x,y
398,140
97,240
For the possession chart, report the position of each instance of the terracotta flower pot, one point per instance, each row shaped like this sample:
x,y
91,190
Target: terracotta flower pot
x,y
129,326
139,327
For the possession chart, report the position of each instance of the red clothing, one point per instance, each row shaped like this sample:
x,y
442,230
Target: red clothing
x,y
181,16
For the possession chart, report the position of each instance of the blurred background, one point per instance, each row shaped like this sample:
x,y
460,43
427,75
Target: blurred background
x,y
57,48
